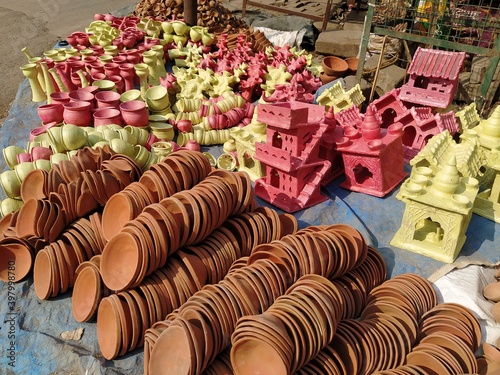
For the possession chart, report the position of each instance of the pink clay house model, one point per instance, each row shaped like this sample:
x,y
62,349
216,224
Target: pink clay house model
x,y
294,172
373,157
433,77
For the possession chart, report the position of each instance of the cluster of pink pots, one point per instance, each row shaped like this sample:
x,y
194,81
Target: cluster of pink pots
x,y
36,153
88,106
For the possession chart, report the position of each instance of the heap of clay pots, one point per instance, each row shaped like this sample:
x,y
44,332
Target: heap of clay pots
x,y
210,13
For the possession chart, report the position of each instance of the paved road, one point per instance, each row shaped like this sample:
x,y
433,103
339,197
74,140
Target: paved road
x,y
39,25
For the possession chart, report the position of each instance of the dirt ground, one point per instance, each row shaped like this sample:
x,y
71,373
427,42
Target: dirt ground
x,y
39,25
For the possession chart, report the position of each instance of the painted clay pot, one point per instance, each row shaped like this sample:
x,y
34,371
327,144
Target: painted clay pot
x,y
61,97
162,130
83,96
119,83
40,152
106,116
184,125
127,73
104,84
9,205
192,145
134,113
77,113
11,184
130,95
157,98
51,113
24,157
73,137
111,69
161,149
122,147
31,73
10,155
107,99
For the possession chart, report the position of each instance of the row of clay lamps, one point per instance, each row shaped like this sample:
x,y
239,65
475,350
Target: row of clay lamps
x,y
83,238
40,183
249,290
179,171
185,218
168,288
56,265
77,199
43,218
329,251
402,330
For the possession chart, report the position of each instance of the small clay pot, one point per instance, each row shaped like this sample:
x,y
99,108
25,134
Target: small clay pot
x,y
82,95
325,78
107,99
352,65
334,66
107,116
77,113
51,113
134,113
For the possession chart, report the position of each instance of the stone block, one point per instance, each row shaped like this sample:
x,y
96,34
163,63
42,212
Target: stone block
x,y
390,78
342,43
354,26
365,86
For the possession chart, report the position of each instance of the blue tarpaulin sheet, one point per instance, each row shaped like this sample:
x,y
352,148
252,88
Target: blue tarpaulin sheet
x,y
35,326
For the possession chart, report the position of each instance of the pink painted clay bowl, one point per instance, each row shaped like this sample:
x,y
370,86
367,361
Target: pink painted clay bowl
x,y
82,95
60,97
51,113
107,116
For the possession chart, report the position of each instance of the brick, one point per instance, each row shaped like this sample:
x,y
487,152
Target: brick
x,y
342,43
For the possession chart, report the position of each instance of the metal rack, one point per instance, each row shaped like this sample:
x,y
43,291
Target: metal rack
x,y
464,25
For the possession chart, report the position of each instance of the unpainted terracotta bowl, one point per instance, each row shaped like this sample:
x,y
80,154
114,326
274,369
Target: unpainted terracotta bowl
x,y
87,293
352,63
334,66
16,259
121,261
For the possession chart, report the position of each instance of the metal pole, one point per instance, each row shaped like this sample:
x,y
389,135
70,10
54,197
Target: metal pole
x,y
190,8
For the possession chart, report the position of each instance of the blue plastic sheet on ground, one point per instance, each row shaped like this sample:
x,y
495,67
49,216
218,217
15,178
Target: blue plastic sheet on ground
x,y
36,325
